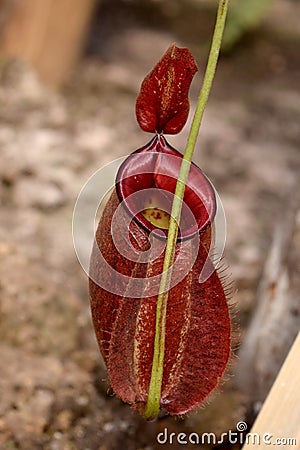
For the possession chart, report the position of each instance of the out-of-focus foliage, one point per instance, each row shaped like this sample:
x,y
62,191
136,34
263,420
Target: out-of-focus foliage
x,y
243,15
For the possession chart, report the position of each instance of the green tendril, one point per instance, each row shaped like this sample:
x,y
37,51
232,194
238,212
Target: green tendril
x,y
154,394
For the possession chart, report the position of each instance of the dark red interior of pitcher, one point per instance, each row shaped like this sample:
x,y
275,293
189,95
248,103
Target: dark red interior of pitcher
x,y
148,177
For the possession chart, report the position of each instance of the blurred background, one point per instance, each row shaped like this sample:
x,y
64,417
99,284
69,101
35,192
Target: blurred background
x,y
70,71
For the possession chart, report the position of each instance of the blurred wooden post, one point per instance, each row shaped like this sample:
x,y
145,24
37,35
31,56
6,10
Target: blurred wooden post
x,y
280,414
49,34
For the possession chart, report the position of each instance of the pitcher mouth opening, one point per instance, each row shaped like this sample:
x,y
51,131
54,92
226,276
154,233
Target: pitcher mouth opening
x,y
145,184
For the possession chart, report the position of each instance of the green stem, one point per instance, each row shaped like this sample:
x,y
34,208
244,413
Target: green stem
x,y
153,402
